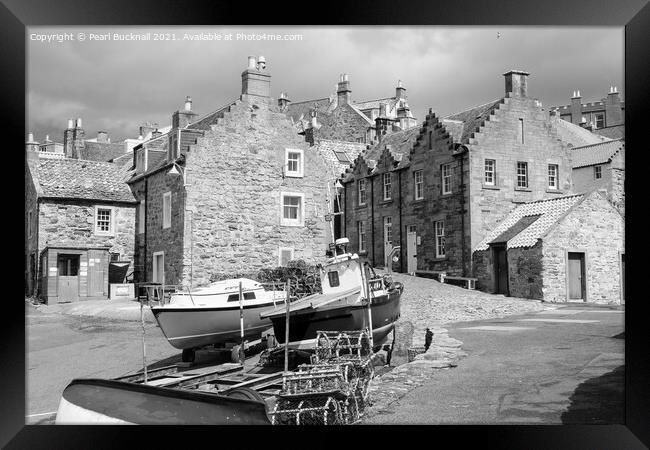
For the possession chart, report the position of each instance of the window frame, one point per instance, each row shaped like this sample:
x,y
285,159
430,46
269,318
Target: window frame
x,y
300,221
598,172
362,182
154,267
111,230
492,173
418,184
602,120
167,211
525,175
439,225
284,249
361,235
556,176
300,173
445,179
387,188
388,220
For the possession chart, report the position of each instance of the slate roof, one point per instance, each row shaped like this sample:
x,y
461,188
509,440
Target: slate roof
x,y
548,212
300,110
575,134
615,132
461,125
101,151
400,144
81,179
600,153
374,104
204,122
329,149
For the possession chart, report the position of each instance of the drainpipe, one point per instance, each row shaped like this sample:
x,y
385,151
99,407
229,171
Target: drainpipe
x,y
372,217
463,151
146,207
401,246
344,224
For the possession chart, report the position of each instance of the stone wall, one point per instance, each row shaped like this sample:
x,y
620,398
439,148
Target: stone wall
x,y
596,228
525,272
499,139
343,124
31,243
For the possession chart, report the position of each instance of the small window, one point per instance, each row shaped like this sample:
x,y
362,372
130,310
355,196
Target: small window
x,y
388,230
362,191
521,131
294,162
247,296
598,172
292,209
333,278
490,172
522,174
599,120
285,255
387,186
342,156
167,210
361,231
103,220
439,227
68,265
430,140
141,216
445,171
115,257
418,180
552,176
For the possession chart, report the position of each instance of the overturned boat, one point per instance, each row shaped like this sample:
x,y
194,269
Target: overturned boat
x,y
353,297
211,314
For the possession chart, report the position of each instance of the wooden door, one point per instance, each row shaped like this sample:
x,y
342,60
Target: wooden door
x,y
68,277
501,270
411,250
576,276
97,262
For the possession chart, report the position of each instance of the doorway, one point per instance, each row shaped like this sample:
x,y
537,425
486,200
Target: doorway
x,y
68,277
576,274
159,267
411,249
500,269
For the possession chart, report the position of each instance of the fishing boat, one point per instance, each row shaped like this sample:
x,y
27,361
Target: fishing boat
x,y
353,297
211,314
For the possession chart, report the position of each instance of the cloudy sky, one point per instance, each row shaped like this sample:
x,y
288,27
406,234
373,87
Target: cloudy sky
x,y
117,85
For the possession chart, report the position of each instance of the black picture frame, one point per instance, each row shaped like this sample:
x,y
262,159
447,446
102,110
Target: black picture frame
x,y
634,15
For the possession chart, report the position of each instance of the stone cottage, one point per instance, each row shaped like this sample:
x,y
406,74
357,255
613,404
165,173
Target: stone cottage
x,y
437,190
80,223
569,248
229,192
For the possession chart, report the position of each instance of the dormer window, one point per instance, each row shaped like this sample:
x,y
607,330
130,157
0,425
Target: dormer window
x,y
294,162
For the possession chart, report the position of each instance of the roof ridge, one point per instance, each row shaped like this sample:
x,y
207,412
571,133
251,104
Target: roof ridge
x,y
554,198
473,107
309,101
619,140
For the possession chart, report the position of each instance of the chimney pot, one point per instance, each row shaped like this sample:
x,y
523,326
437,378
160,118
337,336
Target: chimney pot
x,y
188,103
30,137
79,122
252,64
261,63
70,124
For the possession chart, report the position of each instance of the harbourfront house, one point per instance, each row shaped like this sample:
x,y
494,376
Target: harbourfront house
x,y
229,192
569,248
80,222
437,190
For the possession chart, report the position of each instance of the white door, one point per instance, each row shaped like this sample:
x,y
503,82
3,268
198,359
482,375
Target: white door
x,y
411,250
388,240
159,267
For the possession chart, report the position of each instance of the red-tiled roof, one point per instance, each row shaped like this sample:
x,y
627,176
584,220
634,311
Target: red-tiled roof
x,y
589,155
101,151
615,132
461,125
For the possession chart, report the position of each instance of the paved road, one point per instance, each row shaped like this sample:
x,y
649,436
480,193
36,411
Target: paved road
x,y
549,367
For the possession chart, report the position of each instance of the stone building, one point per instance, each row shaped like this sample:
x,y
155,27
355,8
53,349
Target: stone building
x,y
437,190
569,248
229,192
339,118
601,166
80,223
605,117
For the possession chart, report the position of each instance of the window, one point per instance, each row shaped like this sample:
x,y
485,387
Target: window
x,y
285,254
439,227
292,213
419,184
247,296
445,170
552,176
167,210
361,184
361,232
598,172
342,157
388,230
387,186
141,216
68,265
103,220
490,172
521,131
115,257
333,278
599,120
430,140
294,162
522,174
158,267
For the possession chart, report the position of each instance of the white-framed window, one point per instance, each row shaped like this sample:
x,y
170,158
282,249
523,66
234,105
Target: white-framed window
x,y
418,180
104,220
490,172
439,227
294,162
141,216
285,254
361,232
598,172
167,210
552,176
158,275
445,171
388,230
361,186
387,186
30,224
522,174
599,120
292,206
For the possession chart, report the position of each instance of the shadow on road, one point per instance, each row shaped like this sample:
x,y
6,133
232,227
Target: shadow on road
x,y
599,400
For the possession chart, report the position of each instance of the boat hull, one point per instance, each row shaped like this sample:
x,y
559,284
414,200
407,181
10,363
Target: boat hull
x,y
97,402
304,324
193,327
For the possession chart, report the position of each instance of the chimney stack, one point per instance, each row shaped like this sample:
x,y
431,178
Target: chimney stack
x,y
73,139
102,136
400,91
283,101
255,79
343,91
516,83
31,144
155,133
576,108
182,118
613,109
